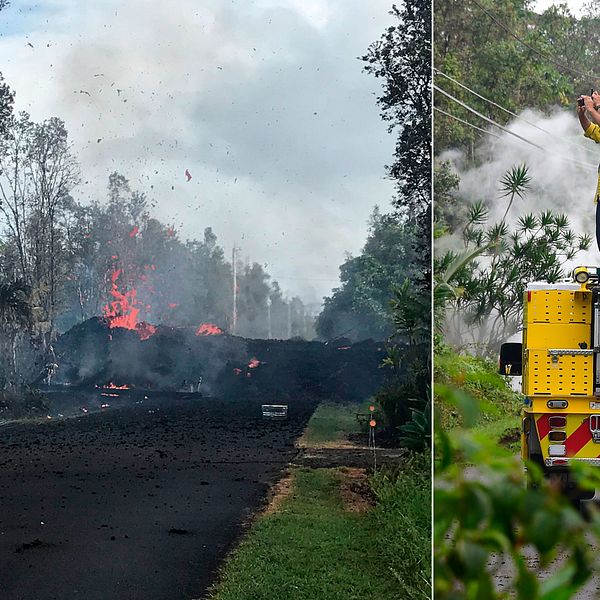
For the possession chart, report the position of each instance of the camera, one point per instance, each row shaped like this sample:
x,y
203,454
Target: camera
x,y
580,101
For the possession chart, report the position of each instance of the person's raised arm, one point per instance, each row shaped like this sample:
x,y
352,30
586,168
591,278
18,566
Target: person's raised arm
x,y
590,107
581,113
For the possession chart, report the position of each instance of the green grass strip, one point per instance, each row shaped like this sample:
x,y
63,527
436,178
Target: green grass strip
x,y
312,549
333,423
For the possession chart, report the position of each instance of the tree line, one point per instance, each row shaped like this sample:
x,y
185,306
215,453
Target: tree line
x,y
60,258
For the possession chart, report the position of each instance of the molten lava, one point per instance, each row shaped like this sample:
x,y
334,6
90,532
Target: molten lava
x,y
112,386
145,330
208,329
123,311
254,362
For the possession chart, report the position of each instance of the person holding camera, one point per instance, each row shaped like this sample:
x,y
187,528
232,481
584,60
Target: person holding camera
x,y
588,111
587,108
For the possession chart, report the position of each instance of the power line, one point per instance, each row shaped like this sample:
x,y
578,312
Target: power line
x,y
506,130
466,122
510,112
548,57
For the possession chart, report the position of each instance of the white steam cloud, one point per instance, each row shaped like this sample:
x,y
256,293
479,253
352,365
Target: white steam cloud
x,y
558,183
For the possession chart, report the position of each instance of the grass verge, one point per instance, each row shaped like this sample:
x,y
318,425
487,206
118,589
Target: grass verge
x,y
312,548
330,424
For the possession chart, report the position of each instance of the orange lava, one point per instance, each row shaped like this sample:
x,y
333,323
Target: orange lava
x,y
123,310
145,330
208,329
112,386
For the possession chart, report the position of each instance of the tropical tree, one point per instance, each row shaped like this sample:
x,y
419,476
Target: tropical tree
x,y
489,305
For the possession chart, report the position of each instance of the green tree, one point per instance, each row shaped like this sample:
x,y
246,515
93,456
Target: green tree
x,y
474,45
402,58
360,308
489,305
405,399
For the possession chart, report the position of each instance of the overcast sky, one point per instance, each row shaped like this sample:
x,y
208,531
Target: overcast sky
x,y
264,102
575,6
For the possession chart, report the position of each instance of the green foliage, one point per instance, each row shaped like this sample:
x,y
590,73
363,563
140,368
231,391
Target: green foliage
x,y
403,515
402,58
487,511
416,434
491,290
406,390
515,182
313,548
404,399
16,317
361,308
475,50
15,305
446,209
411,310
479,378
7,98
450,269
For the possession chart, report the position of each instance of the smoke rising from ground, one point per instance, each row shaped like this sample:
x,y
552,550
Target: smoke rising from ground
x,y
557,184
264,103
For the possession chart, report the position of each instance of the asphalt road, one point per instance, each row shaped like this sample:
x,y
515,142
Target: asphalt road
x,y
504,573
142,502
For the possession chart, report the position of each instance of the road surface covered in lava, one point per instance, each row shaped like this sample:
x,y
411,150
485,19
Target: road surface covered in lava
x,y
142,502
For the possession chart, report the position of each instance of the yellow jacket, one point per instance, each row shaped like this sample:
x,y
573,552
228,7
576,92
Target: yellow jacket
x,y
593,132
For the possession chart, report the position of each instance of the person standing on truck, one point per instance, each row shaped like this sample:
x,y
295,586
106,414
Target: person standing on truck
x,y
589,119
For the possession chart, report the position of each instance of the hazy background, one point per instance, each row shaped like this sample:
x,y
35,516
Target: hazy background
x,y
263,102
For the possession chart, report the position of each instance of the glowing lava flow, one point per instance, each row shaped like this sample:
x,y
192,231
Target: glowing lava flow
x,y
123,311
145,330
112,386
208,329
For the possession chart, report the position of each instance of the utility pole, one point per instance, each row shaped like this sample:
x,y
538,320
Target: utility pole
x,y
234,265
269,332
289,320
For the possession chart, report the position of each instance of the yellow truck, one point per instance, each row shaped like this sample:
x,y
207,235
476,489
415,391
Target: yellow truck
x,y
559,361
